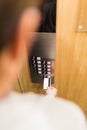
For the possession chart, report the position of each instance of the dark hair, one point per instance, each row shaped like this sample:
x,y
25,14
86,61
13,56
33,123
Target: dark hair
x,y
10,11
49,16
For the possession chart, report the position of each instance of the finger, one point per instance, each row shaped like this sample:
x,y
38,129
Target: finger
x,y
28,24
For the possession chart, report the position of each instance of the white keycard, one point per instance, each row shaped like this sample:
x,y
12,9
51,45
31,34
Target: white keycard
x,y
46,83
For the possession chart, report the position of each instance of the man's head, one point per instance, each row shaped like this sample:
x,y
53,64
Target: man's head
x,y
13,47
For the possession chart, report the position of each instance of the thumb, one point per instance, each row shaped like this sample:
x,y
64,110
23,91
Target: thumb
x,y
28,24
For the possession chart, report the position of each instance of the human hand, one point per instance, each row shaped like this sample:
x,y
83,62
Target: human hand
x,y
13,56
51,91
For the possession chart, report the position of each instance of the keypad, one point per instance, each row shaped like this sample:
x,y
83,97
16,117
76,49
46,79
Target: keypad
x,y
41,66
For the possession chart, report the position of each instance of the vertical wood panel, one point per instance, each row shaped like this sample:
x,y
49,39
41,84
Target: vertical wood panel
x,y
71,54
66,20
82,18
77,88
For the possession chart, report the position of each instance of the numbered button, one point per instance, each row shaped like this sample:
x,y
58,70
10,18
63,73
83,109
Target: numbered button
x,y
48,66
39,69
49,73
38,58
43,62
44,66
49,69
48,63
38,62
39,66
39,72
33,58
44,72
34,62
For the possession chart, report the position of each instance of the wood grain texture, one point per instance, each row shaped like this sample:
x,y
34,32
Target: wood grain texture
x,y
82,17
77,88
66,20
25,81
71,54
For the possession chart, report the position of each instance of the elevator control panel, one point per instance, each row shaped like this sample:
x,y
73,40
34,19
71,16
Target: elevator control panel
x,y
42,56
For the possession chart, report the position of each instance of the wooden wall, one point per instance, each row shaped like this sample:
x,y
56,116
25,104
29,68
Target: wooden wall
x,y
71,54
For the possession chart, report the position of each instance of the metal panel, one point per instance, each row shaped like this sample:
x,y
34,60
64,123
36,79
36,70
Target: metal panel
x,y
44,47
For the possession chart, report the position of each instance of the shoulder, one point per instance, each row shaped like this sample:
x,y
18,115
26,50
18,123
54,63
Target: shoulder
x,y
65,114
58,112
57,104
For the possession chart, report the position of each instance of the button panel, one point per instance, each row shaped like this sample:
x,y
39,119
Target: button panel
x,y
41,66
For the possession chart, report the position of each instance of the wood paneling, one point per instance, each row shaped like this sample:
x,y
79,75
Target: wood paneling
x,y
77,88
66,20
71,54
25,81
82,18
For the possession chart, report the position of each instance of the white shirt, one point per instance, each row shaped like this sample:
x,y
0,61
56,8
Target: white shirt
x,y
37,112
